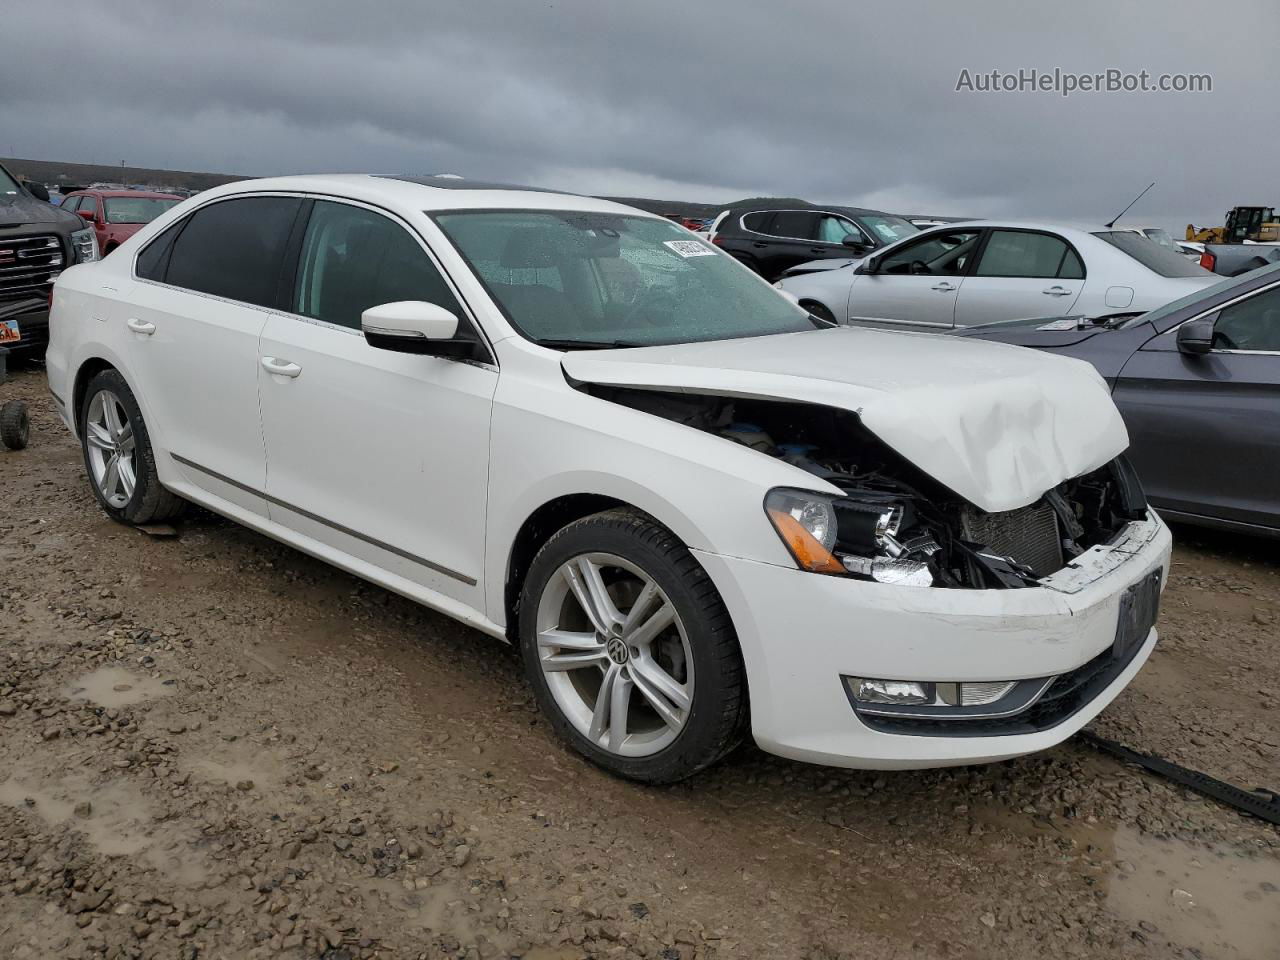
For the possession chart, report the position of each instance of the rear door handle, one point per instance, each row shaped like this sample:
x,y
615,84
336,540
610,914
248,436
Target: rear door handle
x,y
1056,291
280,368
144,327
944,287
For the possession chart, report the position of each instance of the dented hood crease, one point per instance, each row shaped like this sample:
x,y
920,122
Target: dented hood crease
x,y
997,424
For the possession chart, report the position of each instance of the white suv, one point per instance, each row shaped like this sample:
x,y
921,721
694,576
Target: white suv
x,y
574,426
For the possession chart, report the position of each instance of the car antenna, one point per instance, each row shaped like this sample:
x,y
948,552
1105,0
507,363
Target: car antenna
x,y
1131,203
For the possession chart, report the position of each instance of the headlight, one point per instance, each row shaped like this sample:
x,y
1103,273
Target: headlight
x,y
84,246
806,522
844,535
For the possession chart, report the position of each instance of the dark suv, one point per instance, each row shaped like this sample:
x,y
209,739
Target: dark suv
x,y
769,238
37,240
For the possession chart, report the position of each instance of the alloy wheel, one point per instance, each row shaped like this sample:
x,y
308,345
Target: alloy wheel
x,y
615,655
111,446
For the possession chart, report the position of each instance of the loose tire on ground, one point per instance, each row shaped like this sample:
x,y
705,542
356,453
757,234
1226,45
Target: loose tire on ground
x,y
15,425
700,644
144,500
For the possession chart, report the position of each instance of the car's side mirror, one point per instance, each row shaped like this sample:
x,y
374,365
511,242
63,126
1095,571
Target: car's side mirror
x,y
415,326
37,190
1195,337
91,215
853,242
869,265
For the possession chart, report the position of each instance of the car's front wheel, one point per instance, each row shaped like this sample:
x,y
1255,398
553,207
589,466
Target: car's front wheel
x,y
118,455
630,650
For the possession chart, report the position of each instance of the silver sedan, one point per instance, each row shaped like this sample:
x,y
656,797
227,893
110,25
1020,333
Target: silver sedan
x,y
961,274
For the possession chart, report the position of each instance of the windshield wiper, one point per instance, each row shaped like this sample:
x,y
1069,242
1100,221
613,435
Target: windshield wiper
x,y
590,344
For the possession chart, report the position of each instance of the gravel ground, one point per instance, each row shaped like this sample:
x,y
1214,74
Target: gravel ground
x,y
214,746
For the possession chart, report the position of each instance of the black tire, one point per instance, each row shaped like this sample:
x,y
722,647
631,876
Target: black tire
x,y
717,717
15,425
819,311
150,502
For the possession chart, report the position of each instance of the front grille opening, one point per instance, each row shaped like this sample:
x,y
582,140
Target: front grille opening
x,y
1029,535
29,265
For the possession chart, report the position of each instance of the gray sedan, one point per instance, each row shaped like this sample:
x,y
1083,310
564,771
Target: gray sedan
x,y
1198,384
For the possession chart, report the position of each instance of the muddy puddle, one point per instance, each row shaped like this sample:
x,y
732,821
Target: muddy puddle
x,y
114,818
116,687
1208,899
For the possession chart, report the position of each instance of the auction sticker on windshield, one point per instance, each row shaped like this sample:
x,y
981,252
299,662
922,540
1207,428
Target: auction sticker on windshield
x,y
9,332
689,248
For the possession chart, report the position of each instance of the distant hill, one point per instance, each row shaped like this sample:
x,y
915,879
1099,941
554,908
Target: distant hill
x,y
55,172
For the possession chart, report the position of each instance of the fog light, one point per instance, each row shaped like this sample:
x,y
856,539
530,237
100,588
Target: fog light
x,y
890,691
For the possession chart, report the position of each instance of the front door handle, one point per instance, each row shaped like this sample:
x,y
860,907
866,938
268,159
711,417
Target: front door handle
x,y
144,327
1056,291
944,287
280,368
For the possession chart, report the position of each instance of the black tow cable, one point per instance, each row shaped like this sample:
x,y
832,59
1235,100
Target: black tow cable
x,y
1261,803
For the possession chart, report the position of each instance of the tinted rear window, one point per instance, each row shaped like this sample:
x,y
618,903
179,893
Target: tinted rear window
x,y
1152,256
234,248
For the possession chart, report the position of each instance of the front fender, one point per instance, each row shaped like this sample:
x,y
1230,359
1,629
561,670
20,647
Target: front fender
x,y
550,441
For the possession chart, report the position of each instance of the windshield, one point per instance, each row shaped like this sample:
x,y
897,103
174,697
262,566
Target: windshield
x,y
1161,238
135,209
888,229
1167,263
600,279
7,183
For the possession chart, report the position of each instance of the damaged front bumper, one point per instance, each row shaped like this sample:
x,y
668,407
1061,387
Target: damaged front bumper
x,y
803,634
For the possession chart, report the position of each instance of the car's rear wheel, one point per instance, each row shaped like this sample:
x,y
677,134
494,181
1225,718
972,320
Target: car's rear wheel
x,y
118,455
630,650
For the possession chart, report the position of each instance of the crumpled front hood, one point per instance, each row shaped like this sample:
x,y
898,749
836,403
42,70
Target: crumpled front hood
x,y
997,424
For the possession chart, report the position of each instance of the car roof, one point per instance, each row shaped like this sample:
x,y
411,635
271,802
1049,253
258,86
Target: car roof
x,y
148,194
1068,230
428,193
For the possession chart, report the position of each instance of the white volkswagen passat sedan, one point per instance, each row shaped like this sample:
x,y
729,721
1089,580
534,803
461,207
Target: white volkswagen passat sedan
x,y
577,427
962,274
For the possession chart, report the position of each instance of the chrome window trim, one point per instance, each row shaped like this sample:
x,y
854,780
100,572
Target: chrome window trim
x,y
469,312
742,222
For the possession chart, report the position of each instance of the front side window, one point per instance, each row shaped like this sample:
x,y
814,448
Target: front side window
x,y
1019,253
354,259
566,278
8,185
135,209
1155,258
943,254
233,249
1252,324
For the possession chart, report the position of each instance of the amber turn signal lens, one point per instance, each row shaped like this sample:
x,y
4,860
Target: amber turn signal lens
x,y
809,553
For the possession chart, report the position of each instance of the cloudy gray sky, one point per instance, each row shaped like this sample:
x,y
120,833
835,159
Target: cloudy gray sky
x,y
833,100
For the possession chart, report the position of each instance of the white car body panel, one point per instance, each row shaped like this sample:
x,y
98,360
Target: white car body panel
x,y
997,427
446,461
1113,280
326,461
